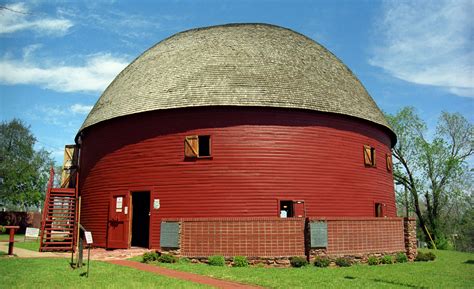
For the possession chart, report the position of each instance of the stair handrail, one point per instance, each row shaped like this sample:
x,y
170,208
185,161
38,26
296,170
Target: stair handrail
x,y
46,204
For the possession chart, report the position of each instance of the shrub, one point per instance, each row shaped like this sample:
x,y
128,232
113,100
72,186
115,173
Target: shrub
x,y
387,259
298,261
150,257
322,262
401,257
240,261
184,260
166,258
424,257
373,261
343,262
216,260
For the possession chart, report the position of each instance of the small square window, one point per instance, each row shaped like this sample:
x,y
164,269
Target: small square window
x,y
369,156
379,210
197,146
204,145
389,162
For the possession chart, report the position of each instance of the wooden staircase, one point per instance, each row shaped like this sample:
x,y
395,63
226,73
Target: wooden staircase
x,y
59,223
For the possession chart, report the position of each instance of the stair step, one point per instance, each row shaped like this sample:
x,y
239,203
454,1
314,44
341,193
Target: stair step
x,y
56,249
57,243
60,229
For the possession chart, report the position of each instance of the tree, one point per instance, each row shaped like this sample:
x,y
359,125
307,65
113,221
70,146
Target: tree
x,y
432,172
23,170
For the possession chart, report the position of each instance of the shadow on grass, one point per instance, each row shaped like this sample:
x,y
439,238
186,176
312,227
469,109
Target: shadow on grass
x,y
398,283
469,262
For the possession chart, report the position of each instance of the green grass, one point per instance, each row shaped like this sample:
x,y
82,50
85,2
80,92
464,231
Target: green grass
x,y
449,270
56,273
6,237
20,242
28,245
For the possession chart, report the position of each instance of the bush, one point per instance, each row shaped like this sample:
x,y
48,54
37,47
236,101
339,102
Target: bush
x,y
216,260
240,261
322,262
184,260
166,258
401,257
298,261
150,257
424,257
387,259
343,262
373,261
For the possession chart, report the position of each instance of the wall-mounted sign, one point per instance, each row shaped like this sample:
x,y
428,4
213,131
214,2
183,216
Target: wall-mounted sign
x,y
119,204
88,236
32,232
156,204
125,210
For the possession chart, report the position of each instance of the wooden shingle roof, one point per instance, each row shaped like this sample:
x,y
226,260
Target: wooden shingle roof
x,y
236,65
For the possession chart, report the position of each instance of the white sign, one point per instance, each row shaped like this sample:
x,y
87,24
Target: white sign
x,y
88,237
125,210
32,232
156,204
119,203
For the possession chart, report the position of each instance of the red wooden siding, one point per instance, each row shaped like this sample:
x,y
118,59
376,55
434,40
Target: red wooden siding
x,y
259,155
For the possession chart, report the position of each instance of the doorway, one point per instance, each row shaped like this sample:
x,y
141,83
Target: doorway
x,y
140,219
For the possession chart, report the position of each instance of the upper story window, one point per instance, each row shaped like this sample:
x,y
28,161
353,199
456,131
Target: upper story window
x,y
379,210
197,146
389,162
369,156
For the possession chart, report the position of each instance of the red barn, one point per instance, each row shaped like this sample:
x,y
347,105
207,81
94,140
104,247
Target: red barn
x,y
242,123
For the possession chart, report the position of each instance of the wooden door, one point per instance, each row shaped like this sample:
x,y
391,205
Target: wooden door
x,y
119,221
299,209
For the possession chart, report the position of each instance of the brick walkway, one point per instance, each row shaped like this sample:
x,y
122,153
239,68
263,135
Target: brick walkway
x,y
184,275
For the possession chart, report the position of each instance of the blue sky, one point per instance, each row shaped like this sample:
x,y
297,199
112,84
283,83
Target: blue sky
x,y
57,57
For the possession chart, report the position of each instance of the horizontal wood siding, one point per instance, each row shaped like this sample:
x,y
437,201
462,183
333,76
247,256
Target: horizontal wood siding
x,y
259,155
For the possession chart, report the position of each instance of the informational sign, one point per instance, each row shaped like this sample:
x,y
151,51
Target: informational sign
x,y
119,204
32,232
156,204
88,236
125,210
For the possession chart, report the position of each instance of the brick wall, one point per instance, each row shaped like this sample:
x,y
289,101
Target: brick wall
x,y
252,237
364,235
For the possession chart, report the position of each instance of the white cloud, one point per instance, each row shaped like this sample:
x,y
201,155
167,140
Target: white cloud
x,y
429,43
17,17
80,108
93,75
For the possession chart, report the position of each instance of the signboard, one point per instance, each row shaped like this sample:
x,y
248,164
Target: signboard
x,y
156,204
119,204
88,236
32,232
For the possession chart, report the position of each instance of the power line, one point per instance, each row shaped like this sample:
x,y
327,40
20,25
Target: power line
x,y
12,10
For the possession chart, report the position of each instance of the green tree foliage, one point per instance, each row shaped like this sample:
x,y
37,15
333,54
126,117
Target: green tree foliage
x,y
432,171
23,170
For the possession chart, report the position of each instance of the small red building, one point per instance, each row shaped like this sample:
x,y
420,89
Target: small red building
x,y
226,123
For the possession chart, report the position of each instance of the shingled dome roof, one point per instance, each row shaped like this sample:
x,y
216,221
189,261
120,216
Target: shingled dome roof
x,y
236,65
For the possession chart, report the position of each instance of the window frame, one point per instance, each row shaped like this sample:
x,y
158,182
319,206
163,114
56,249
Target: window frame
x,y
372,163
192,143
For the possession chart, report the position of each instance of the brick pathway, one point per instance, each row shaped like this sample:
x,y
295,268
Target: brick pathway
x,y
184,275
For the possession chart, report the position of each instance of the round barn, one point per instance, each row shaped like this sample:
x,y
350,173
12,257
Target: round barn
x,y
233,123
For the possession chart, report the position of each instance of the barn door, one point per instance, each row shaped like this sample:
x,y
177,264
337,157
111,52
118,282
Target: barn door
x,y
119,222
298,207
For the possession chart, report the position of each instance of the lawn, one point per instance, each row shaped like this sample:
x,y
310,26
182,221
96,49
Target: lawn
x,y
56,273
20,242
449,270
